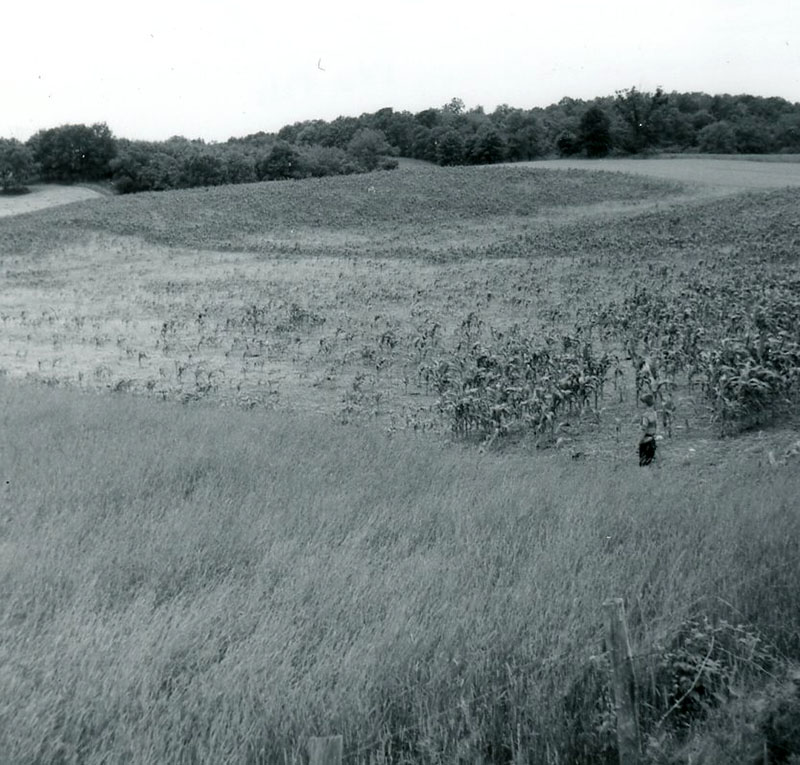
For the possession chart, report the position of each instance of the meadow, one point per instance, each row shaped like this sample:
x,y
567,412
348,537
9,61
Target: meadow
x,y
357,455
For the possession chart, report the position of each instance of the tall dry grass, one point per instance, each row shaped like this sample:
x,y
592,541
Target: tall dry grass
x,y
191,585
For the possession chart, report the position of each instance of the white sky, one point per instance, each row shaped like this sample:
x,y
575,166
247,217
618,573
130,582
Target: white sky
x,y
219,68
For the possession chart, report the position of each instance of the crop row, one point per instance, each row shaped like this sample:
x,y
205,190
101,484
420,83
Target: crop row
x,y
736,338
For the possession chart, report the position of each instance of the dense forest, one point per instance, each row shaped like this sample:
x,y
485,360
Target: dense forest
x,y
627,123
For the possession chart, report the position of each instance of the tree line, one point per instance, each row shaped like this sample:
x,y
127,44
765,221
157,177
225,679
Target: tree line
x,y
81,153
629,122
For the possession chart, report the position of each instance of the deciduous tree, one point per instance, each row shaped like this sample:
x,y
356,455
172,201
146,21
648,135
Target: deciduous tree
x,y
449,147
368,146
717,138
17,166
487,146
594,132
637,111
74,152
282,162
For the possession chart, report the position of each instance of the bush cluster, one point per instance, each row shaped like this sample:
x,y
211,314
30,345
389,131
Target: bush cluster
x,y
181,163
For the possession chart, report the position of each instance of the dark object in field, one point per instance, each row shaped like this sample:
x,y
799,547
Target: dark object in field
x,y
649,424
647,450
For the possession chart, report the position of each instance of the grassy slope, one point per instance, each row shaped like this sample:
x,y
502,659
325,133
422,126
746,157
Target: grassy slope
x,y
190,584
264,216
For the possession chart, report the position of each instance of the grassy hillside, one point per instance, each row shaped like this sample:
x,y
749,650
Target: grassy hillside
x,y
358,456
190,584
274,217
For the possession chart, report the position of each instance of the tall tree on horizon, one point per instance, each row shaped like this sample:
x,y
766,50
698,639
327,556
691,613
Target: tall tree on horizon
x,y
74,152
637,111
594,132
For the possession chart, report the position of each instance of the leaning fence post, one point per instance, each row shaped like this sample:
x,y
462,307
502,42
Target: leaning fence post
x,y
325,750
619,647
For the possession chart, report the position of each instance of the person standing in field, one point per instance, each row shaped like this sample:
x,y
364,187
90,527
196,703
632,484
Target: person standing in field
x,y
649,423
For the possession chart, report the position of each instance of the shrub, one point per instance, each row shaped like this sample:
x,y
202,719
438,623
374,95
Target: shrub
x,y
682,682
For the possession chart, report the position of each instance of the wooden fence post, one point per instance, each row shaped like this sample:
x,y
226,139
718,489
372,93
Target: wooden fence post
x,y
325,750
619,647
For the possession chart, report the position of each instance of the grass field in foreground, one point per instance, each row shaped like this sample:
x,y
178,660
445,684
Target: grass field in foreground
x,y
187,584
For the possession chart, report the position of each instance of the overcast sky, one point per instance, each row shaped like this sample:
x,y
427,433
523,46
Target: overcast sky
x,y
214,69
